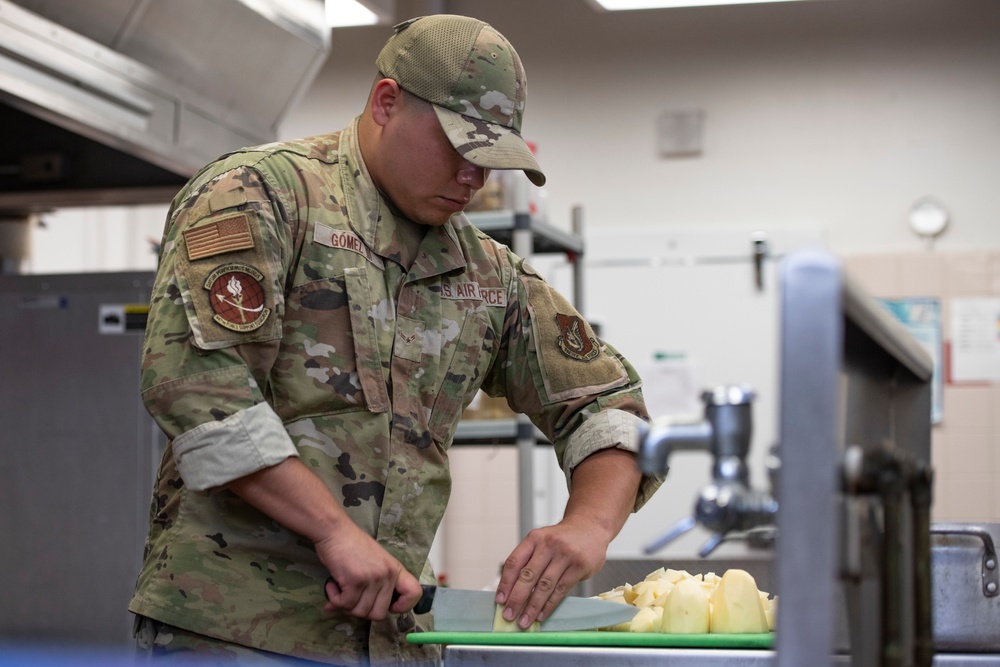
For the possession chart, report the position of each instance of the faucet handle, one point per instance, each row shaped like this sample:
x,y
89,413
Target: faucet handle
x,y
678,529
761,537
667,435
711,544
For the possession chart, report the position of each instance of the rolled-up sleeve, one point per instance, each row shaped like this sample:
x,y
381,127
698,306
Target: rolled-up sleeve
x,y
216,453
608,429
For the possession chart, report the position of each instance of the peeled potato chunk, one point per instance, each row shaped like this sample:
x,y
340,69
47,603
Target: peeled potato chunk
x,y
686,610
502,625
736,605
737,611
648,619
649,590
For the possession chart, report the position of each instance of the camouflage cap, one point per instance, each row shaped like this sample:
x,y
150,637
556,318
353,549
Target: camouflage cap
x,y
474,79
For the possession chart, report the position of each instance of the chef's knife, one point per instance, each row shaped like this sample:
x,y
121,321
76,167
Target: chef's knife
x,y
457,610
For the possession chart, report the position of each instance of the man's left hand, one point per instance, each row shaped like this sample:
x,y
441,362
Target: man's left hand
x,y
550,561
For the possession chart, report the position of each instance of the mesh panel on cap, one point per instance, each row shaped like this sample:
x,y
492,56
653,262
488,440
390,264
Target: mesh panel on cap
x,y
435,53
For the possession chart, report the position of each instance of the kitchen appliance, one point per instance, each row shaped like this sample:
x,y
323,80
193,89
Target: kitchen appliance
x,y
77,456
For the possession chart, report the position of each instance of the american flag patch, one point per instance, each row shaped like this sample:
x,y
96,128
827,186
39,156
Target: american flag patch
x,y
223,235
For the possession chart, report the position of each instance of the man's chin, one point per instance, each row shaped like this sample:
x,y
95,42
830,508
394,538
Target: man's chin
x,y
437,221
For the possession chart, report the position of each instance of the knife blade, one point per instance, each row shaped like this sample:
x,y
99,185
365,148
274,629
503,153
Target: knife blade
x,y
457,610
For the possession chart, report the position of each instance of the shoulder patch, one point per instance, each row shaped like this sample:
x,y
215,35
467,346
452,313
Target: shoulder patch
x,y
237,297
573,340
225,234
571,359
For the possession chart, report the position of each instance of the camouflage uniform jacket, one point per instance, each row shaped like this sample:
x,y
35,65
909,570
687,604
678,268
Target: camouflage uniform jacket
x,y
290,319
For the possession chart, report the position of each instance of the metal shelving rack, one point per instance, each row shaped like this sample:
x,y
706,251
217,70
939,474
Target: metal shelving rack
x,y
526,236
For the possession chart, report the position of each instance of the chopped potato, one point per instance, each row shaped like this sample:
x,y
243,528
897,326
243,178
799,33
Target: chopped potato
x,y
647,620
629,593
616,595
649,590
686,610
502,625
736,605
741,604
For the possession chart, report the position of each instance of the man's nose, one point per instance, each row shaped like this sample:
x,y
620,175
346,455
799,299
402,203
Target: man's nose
x,y
471,175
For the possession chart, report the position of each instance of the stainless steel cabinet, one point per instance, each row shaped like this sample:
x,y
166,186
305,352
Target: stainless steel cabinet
x,y
77,453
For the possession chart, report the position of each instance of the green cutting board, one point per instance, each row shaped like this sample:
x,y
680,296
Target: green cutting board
x,y
593,638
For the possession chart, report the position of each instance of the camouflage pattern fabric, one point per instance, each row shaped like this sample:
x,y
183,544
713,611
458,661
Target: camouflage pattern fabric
x,y
161,644
295,313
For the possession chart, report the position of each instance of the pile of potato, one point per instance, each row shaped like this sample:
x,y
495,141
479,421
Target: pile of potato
x,y
677,602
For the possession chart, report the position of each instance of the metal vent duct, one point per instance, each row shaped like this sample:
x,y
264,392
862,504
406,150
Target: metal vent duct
x,y
120,101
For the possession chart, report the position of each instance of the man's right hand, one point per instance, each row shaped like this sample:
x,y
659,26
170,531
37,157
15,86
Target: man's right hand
x,y
364,577
365,574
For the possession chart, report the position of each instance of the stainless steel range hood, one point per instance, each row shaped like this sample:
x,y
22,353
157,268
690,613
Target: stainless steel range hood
x,y
120,101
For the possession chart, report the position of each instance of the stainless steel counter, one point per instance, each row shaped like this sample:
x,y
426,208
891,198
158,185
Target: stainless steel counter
x,y
546,656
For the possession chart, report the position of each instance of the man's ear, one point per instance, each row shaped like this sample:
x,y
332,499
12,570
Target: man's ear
x,y
386,96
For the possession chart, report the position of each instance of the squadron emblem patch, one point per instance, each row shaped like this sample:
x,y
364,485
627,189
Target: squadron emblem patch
x,y
237,297
573,340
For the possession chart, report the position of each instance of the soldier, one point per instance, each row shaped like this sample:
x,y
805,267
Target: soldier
x,y
322,315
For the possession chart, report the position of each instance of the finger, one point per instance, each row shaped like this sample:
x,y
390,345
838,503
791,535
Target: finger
x,y
366,604
334,596
557,593
511,571
381,601
545,590
408,593
522,591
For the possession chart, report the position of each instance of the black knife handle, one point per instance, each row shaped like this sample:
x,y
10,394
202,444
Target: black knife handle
x,y
423,604
426,599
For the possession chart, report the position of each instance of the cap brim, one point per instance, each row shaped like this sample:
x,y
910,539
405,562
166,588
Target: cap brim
x,y
489,145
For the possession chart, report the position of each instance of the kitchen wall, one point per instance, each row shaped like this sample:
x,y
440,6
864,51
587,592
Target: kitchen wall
x,y
836,114
833,115
966,440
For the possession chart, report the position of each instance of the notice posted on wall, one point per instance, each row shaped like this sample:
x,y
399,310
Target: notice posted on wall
x,y
975,340
921,317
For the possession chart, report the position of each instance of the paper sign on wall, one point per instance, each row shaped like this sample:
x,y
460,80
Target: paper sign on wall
x,y
975,340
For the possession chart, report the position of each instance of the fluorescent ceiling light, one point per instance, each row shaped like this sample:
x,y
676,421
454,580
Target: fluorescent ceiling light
x,y
615,5
343,13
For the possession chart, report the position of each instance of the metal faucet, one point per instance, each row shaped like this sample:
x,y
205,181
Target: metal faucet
x,y
728,503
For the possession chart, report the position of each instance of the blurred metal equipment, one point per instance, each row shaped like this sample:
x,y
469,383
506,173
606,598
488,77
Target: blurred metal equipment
x,y
728,503
855,482
120,101
852,478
